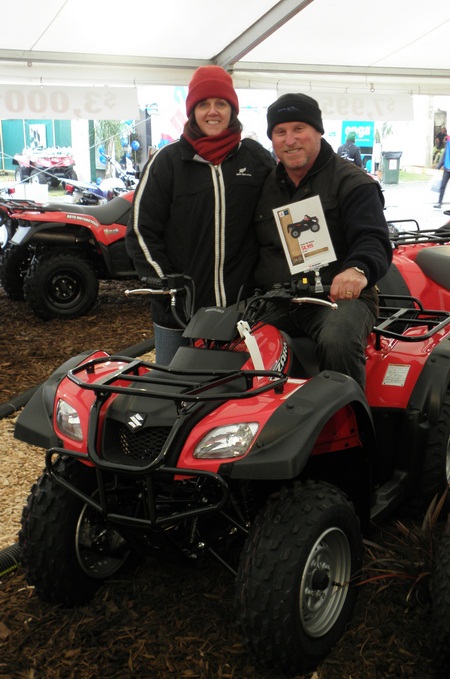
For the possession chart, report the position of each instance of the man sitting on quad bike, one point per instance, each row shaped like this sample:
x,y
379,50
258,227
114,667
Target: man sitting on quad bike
x,y
353,207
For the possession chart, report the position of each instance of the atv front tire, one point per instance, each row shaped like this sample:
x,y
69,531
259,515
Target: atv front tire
x,y
21,175
60,284
67,549
38,177
14,265
295,583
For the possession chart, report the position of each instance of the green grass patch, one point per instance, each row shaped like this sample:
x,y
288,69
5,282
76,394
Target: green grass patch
x,y
413,177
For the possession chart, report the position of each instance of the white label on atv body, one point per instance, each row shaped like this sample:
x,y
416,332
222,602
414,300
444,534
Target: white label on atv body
x,y
396,375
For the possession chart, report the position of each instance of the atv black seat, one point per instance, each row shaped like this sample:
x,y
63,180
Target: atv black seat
x,y
191,358
115,211
435,263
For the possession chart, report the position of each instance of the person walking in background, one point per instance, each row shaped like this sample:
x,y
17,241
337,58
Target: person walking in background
x,y
193,209
350,151
353,207
437,152
442,136
445,164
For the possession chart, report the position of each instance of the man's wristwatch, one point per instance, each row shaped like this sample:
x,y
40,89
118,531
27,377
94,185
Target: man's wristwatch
x,y
359,270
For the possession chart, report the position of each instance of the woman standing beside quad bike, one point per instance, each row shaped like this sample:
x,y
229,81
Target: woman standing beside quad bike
x,y
193,208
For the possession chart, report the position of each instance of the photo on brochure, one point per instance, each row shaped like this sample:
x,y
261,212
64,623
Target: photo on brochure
x,y
304,234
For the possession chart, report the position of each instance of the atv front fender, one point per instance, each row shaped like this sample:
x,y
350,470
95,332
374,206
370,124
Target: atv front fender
x,y
34,424
285,444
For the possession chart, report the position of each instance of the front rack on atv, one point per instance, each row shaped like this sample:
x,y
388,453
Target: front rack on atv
x,y
394,322
188,386
185,388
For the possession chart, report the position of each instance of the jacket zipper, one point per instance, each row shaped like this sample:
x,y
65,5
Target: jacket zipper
x,y
219,235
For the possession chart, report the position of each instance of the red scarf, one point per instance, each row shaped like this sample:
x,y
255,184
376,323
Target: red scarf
x,y
216,148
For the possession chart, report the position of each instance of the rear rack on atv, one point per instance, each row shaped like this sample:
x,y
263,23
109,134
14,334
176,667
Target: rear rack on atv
x,y
394,321
23,204
441,235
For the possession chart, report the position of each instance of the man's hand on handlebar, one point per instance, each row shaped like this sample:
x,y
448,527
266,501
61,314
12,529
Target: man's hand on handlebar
x,y
347,285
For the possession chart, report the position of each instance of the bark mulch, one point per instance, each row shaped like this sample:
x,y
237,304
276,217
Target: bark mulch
x,y
166,620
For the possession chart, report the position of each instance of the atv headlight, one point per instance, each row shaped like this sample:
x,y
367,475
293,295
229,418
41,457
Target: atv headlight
x,y
68,421
4,235
232,440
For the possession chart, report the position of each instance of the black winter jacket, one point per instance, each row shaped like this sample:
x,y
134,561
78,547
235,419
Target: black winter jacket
x,y
353,206
192,217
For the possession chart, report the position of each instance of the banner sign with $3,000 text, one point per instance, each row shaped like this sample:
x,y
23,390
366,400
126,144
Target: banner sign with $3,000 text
x,y
68,103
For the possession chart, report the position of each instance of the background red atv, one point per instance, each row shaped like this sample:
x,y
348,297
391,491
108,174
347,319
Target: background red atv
x,y
419,268
53,255
45,166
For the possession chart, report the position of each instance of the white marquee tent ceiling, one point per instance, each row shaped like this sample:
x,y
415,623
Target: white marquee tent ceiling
x,y
356,45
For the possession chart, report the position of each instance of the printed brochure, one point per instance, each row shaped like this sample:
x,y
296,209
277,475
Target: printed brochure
x,y
304,235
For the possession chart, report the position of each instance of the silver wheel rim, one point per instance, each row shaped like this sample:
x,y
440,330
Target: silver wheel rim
x,y
100,549
325,582
447,461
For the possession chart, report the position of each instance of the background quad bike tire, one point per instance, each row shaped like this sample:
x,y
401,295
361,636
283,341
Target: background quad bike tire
x,y
21,175
435,473
60,284
301,532
440,597
66,556
38,177
14,265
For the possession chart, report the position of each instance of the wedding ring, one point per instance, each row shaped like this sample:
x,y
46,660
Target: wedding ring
x,y
350,293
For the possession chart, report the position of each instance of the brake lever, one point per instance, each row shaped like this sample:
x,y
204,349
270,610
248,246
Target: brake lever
x,y
315,300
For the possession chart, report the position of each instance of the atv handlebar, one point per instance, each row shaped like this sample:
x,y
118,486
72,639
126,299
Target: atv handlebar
x,y
178,287
167,285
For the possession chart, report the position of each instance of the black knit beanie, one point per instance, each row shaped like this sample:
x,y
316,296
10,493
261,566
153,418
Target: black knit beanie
x,y
292,108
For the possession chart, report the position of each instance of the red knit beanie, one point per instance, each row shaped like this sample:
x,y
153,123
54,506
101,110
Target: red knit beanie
x,y
211,81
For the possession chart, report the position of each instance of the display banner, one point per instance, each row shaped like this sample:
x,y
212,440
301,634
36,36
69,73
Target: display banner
x,y
68,103
363,106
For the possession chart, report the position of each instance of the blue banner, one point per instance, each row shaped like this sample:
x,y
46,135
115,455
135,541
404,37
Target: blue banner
x,y
365,131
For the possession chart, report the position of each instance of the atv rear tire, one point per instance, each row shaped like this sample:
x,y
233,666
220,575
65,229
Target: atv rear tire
x,y
67,549
295,583
14,265
60,284
440,596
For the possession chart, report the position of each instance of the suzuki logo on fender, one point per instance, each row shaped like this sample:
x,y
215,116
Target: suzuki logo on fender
x,y
136,420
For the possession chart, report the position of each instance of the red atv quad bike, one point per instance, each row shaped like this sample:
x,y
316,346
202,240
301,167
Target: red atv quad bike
x,y
44,165
243,451
305,224
53,255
